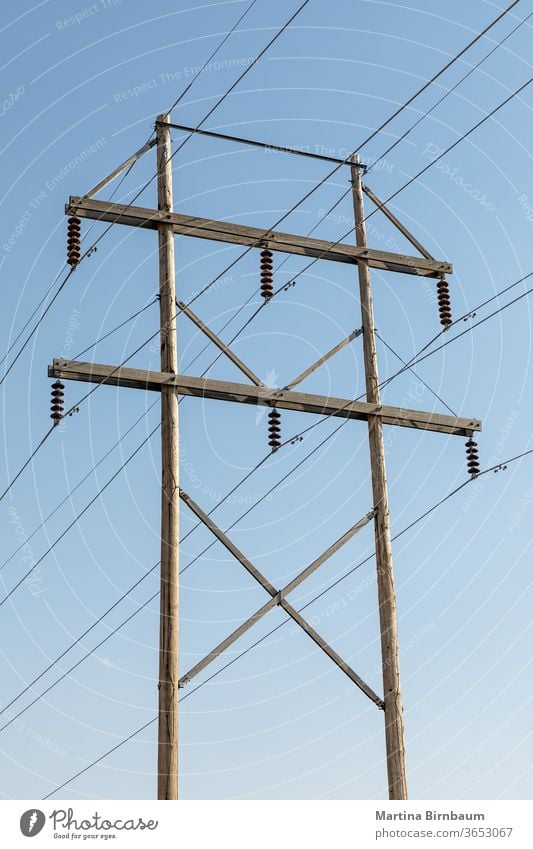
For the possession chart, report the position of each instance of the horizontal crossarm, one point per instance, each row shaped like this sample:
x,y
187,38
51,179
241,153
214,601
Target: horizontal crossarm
x,y
238,234
261,396
276,598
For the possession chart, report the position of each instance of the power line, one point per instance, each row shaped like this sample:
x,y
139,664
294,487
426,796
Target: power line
x,y
213,54
459,140
145,604
71,492
109,752
447,93
398,357
36,325
248,68
418,359
78,517
470,314
26,463
81,660
115,329
43,299
28,321
70,647
74,406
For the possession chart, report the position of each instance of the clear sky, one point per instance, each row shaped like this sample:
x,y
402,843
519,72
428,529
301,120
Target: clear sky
x,y
81,86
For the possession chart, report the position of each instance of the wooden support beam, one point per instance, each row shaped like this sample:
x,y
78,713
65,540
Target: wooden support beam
x,y
323,359
277,597
238,234
114,174
167,754
397,223
227,543
394,730
219,343
329,552
222,390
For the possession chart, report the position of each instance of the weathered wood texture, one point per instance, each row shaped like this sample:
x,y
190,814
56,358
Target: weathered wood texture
x,y
238,234
223,390
394,729
167,761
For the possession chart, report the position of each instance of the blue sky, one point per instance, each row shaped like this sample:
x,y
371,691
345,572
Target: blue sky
x,y
82,85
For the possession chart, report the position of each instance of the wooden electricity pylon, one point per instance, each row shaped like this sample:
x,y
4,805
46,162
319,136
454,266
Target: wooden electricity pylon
x,y
170,384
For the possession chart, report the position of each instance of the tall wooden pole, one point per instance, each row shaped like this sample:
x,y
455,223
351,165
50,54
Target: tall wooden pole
x,y
167,760
394,732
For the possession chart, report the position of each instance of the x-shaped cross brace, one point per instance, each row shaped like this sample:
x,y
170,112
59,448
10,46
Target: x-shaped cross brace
x,y
278,597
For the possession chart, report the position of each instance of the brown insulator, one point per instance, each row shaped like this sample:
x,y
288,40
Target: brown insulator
x,y
56,405
73,241
274,430
472,458
443,297
266,274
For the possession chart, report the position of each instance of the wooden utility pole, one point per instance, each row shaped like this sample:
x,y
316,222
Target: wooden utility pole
x,y
394,732
167,760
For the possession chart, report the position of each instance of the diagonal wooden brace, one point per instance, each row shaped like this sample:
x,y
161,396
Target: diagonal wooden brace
x,y
323,359
219,343
277,598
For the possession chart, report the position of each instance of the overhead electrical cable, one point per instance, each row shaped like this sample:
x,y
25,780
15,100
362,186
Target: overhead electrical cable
x,y
450,91
77,518
72,645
